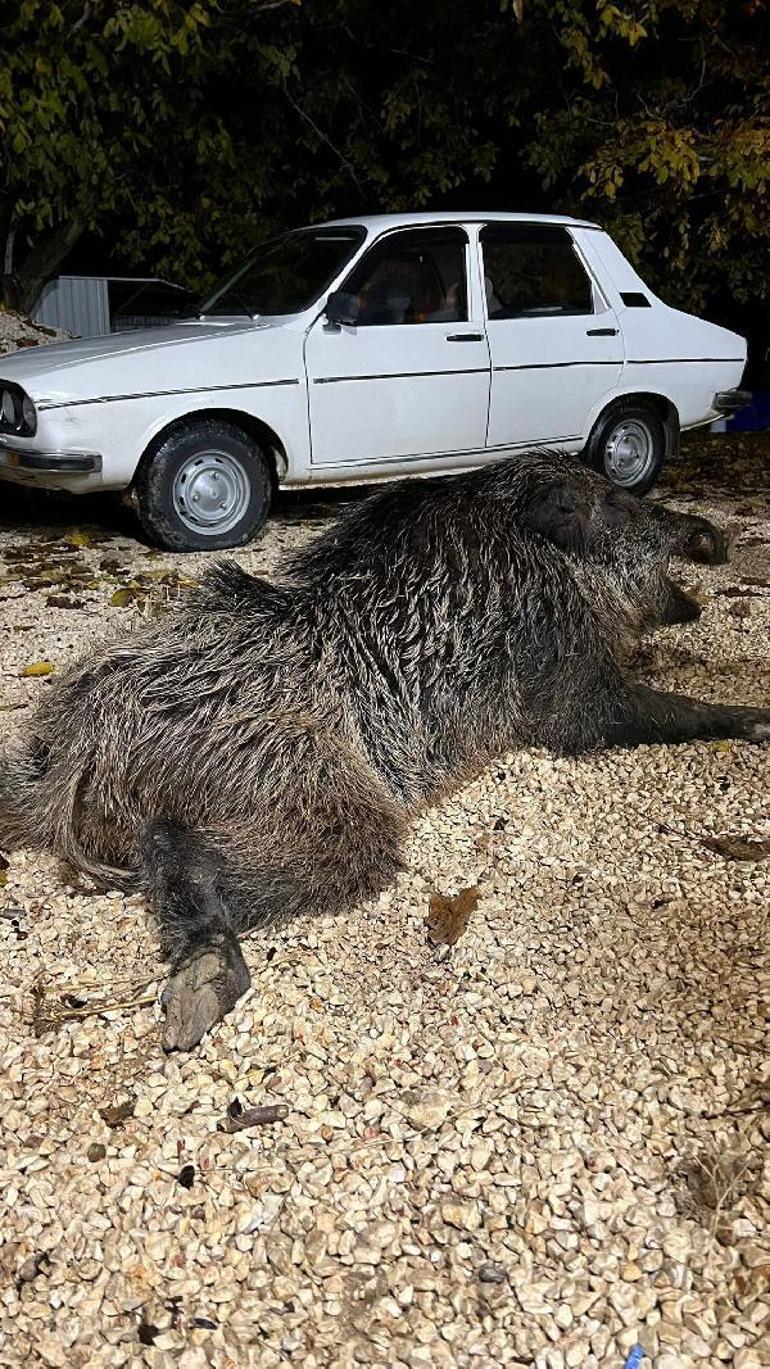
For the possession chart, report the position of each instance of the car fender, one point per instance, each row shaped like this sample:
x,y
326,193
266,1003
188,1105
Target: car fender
x,y
121,430
626,390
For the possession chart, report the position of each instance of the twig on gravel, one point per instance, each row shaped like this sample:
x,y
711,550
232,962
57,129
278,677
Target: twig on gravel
x,y
240,1119
133,984
99,1008
761,1106
721,1174
43,1020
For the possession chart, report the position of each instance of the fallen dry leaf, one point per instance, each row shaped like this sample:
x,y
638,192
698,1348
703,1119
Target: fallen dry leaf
x,y
737,847
447,917
130,594
61,601
740,609
115,1113
36,668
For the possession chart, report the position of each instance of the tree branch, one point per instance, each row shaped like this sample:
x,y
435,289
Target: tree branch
x,y
8,255
324,137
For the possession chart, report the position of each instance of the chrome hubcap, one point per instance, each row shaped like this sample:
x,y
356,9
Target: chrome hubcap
x,y
211,492
629,452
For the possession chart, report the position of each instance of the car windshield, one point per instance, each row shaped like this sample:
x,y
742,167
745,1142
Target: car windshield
x,y
286,274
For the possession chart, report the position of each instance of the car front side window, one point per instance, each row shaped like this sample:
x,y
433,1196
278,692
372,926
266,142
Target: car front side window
x,y
533,271
417,276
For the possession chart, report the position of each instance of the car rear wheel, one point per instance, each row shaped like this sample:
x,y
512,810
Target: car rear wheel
x,y
628,445
203,487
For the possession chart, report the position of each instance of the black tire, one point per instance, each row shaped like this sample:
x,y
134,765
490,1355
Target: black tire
x,y
179,480
628,426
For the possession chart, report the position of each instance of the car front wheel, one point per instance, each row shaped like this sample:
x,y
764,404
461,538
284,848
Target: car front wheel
x,y
628,445
204,487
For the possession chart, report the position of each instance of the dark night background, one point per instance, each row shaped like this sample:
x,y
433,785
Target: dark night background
x,y
165,138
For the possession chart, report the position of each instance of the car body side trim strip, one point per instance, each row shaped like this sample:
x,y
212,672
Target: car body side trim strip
x,y
404,375
678,361
156,394
553,365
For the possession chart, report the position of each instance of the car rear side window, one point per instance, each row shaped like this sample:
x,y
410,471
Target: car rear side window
x,y
416,276
533,271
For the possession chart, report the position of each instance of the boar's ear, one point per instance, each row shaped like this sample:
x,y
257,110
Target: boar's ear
x,y
618,509
561,514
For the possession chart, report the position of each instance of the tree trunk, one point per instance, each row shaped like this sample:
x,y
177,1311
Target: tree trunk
x,y
24,279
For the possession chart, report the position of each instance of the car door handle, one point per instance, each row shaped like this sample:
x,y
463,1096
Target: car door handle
x,y
465,337
601,332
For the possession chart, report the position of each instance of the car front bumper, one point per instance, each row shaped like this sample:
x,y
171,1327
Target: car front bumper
x,y
34,460
730,401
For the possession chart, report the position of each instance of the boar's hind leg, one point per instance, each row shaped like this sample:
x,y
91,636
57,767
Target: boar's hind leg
x,y
204,891
637,715
209,973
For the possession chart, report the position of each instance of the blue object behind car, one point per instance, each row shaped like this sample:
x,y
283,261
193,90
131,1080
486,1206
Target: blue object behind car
x,y
755,418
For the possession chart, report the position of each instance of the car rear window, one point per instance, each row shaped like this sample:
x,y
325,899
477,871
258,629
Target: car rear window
x,y
532,270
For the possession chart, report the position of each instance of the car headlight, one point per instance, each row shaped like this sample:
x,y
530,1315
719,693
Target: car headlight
x,y
17,411
29,415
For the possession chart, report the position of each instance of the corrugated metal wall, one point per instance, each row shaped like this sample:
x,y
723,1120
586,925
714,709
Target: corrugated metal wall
x,y
78,303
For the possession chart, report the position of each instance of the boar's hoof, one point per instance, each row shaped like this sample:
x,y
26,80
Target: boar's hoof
x,y
751,724
201,992
759,730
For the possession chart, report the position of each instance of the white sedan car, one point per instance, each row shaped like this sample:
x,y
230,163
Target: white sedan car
x,y
370,348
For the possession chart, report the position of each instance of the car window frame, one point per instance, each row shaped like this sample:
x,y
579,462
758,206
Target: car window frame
x,y
599,302
412,230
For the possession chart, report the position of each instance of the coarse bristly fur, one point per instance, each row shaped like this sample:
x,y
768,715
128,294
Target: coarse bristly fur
x,y
260,750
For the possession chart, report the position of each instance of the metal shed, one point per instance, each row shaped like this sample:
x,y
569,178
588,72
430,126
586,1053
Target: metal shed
x,y
91,306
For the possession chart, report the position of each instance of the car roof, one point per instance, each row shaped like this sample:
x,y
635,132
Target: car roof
x,y
381,221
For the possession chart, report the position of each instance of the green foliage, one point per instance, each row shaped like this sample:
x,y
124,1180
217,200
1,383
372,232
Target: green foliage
x,y
184,131
663,134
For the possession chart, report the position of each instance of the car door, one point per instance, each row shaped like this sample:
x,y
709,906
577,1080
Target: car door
x,y
555,344
409,382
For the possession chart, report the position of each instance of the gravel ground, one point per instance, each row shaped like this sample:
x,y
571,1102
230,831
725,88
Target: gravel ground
x,y
17,332
543,1146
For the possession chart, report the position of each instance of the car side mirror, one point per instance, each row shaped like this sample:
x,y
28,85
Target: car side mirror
x,y
341,307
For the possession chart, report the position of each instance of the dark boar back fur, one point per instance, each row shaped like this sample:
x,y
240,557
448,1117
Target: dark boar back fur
x,y
260,750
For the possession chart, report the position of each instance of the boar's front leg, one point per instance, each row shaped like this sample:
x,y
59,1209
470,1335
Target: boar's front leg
x,y
209,973
678,605
637,715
